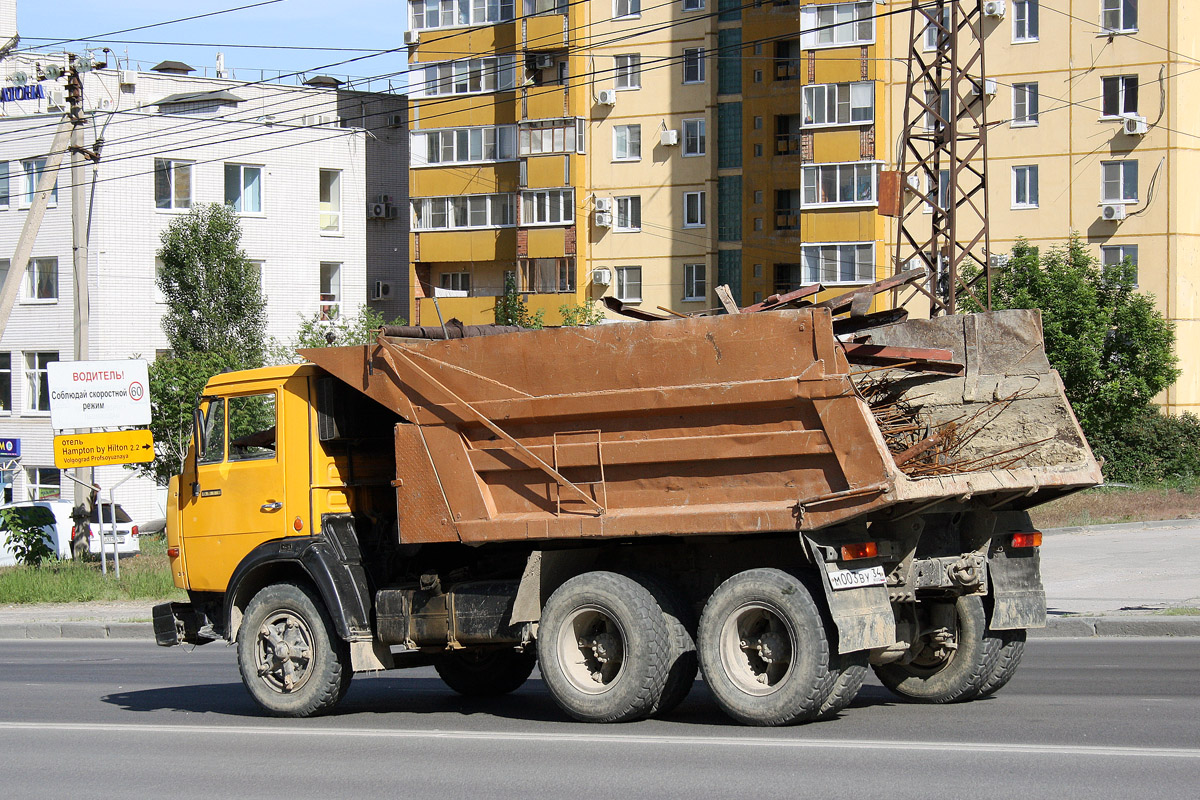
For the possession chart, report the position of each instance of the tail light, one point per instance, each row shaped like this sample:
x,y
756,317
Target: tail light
x,y
851,552
172,552
133,531
1030,539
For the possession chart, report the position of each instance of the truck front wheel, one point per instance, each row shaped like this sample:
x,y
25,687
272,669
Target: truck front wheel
x,y
603,648
763,649
291,659
485,673
947,668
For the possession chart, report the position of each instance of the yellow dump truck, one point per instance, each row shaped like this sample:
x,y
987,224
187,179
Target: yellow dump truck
x,y
779,499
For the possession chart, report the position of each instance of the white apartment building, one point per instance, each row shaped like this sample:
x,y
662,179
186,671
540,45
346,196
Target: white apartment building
x,y
309,170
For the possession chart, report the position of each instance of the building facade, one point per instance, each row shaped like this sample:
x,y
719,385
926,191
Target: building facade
x,y
299,164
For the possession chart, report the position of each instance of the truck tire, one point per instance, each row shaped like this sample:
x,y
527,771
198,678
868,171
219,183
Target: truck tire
x,y
603,648
764,650
958,676
850,670
292,661
682,664
485,673
1012,648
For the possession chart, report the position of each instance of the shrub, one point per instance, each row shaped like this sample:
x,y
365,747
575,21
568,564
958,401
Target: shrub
x,y
26,537
1151,447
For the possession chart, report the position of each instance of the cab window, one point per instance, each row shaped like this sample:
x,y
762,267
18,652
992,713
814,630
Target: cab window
x,y
252,427
212,449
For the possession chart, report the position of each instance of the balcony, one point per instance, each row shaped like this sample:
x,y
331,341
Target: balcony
x,y
481,309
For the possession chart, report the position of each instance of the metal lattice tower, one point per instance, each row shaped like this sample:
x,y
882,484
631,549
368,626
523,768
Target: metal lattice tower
x,y
943,156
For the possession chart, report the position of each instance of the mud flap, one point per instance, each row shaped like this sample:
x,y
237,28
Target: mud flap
x,y
863,615
1018,599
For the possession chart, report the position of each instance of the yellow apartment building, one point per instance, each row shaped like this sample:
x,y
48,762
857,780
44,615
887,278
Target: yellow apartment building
x,y
1091,131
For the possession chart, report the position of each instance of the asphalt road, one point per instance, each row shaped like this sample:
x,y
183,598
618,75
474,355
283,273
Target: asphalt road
x,y
1101,718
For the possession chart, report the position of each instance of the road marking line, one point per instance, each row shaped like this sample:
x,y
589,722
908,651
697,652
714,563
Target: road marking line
x,y
606,738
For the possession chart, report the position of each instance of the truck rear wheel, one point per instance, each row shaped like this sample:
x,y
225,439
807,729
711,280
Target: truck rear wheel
x,y
850,670
1012,648
603,648
292,661
485,673
681,663
763,649
947,672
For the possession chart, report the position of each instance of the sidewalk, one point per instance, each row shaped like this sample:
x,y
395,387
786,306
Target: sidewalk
x,y
1103,580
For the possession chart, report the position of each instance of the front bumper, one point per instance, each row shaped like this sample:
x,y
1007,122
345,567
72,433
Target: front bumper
x,y
180,623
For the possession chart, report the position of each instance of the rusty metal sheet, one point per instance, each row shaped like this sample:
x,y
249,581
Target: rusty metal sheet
x,y
422,512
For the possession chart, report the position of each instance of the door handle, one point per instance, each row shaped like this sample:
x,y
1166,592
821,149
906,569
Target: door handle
x,y
272,506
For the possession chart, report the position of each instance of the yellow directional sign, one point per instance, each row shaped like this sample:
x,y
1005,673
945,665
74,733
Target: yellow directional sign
x,y
103,449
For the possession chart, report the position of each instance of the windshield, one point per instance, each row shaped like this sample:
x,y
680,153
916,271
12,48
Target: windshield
x,y
32,515
121,515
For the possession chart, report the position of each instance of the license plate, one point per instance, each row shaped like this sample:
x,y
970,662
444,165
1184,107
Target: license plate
x,y
120,540
854,578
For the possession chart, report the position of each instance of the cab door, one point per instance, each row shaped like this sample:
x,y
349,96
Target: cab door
x,y
238,502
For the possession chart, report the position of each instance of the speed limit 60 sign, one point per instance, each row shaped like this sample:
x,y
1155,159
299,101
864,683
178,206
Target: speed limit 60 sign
x,y
99,394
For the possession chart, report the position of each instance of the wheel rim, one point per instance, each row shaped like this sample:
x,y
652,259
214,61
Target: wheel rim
x,y
591,649
757,646
937,653
283,652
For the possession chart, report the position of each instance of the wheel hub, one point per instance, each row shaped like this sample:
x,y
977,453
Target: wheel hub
x,y
283,652
591,649
756,648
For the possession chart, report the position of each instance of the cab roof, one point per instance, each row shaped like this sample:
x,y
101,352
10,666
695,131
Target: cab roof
x,y
244,376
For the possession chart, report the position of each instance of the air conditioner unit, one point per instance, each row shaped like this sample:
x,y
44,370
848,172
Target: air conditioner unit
x,y
396,120
994,8
386,199
543,61
602,276
989,87
58,98
603,219
1135,125
668,137
128,77
604,204
607,97
412,37
381,211
382,290
1111,212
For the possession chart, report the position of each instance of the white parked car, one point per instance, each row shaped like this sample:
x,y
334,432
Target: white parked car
x,y
65,540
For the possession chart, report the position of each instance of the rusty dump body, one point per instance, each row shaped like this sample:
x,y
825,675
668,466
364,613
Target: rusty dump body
x,y
735,424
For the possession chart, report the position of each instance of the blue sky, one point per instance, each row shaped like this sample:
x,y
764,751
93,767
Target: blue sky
x,y
371,24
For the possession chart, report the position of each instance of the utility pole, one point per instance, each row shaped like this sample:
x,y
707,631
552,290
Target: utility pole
x,y
79,231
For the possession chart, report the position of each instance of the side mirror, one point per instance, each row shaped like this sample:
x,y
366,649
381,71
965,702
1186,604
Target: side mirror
x,y
197,442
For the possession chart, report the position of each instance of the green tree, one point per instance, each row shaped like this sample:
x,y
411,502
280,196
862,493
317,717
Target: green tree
x,y
213,292
24,529
585,313
1113,348
315,332
511,308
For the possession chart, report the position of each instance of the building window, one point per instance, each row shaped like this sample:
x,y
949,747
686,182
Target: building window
x,y
789,60
629,214
464,145
243,188
788,134
331,289
330,200
939,106
787,209
1113,256
934,34
6,382
629,71
840,184
1120,180
548,275
37,386
1118,16
627,8
629,284
695,282
627,142
942,195
1025,104
447,13
43,483
41,280
464,212
837,25
5,191
694,143
470,76
693,209
828,104
1025,21
172,183
1120,94
538,7
551,136
457,281
693,5
758,151
33,169
1025,186
548,207
852,262
693,65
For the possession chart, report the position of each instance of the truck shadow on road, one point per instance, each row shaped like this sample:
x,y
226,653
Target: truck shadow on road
x,y
389,694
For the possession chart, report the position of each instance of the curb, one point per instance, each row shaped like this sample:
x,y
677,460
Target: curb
x,y
77,630
1087,627
1123,527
